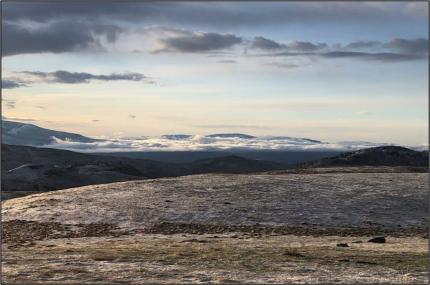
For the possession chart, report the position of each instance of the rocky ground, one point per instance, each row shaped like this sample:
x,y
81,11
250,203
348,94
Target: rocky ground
x,y
279,228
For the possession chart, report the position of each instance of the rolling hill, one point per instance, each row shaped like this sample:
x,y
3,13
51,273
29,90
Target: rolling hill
x,y
375,156
32,169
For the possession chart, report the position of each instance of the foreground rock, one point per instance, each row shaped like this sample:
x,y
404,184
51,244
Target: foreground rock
x,y
377,240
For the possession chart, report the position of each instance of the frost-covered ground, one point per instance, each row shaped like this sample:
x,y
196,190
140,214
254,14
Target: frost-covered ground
x,y
349,200
223,228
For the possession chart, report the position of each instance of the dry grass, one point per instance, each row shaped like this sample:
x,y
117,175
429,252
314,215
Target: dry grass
x,y
228,258
261,258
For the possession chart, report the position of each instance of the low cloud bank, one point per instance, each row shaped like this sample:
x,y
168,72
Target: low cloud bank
x,y
205,143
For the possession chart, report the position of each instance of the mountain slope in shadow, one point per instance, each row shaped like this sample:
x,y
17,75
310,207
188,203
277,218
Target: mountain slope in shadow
x,y
32,169
28,134
375,156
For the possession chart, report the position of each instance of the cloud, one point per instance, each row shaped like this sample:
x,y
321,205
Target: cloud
x,y
362,44
266,44
206,143
306,46
283,64
57,37
69,27
271,45
66,77
396,50
216,14
185,41
10,84
415,46
10,104
25,120
378,56
230,127
89,26
227,61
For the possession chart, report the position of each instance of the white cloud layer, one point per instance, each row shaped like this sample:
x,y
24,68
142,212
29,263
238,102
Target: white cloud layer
x,y
207,143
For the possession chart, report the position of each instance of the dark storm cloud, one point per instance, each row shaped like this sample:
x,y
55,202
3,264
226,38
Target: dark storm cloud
x,y
10,84
266,44
57,37
199,42
415,46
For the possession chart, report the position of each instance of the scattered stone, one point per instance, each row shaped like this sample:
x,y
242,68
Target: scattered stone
x,y
380,239
195,240
366,262
342,245
357,241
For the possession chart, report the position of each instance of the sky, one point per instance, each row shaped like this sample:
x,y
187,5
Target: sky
x,y
331,71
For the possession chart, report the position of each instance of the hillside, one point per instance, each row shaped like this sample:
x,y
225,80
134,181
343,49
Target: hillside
x,y
223,228
355,202
284,157
375,156
29,169
231,164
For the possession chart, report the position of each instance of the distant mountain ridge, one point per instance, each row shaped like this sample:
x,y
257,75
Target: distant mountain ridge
x,y
258,147
28,134
231,135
